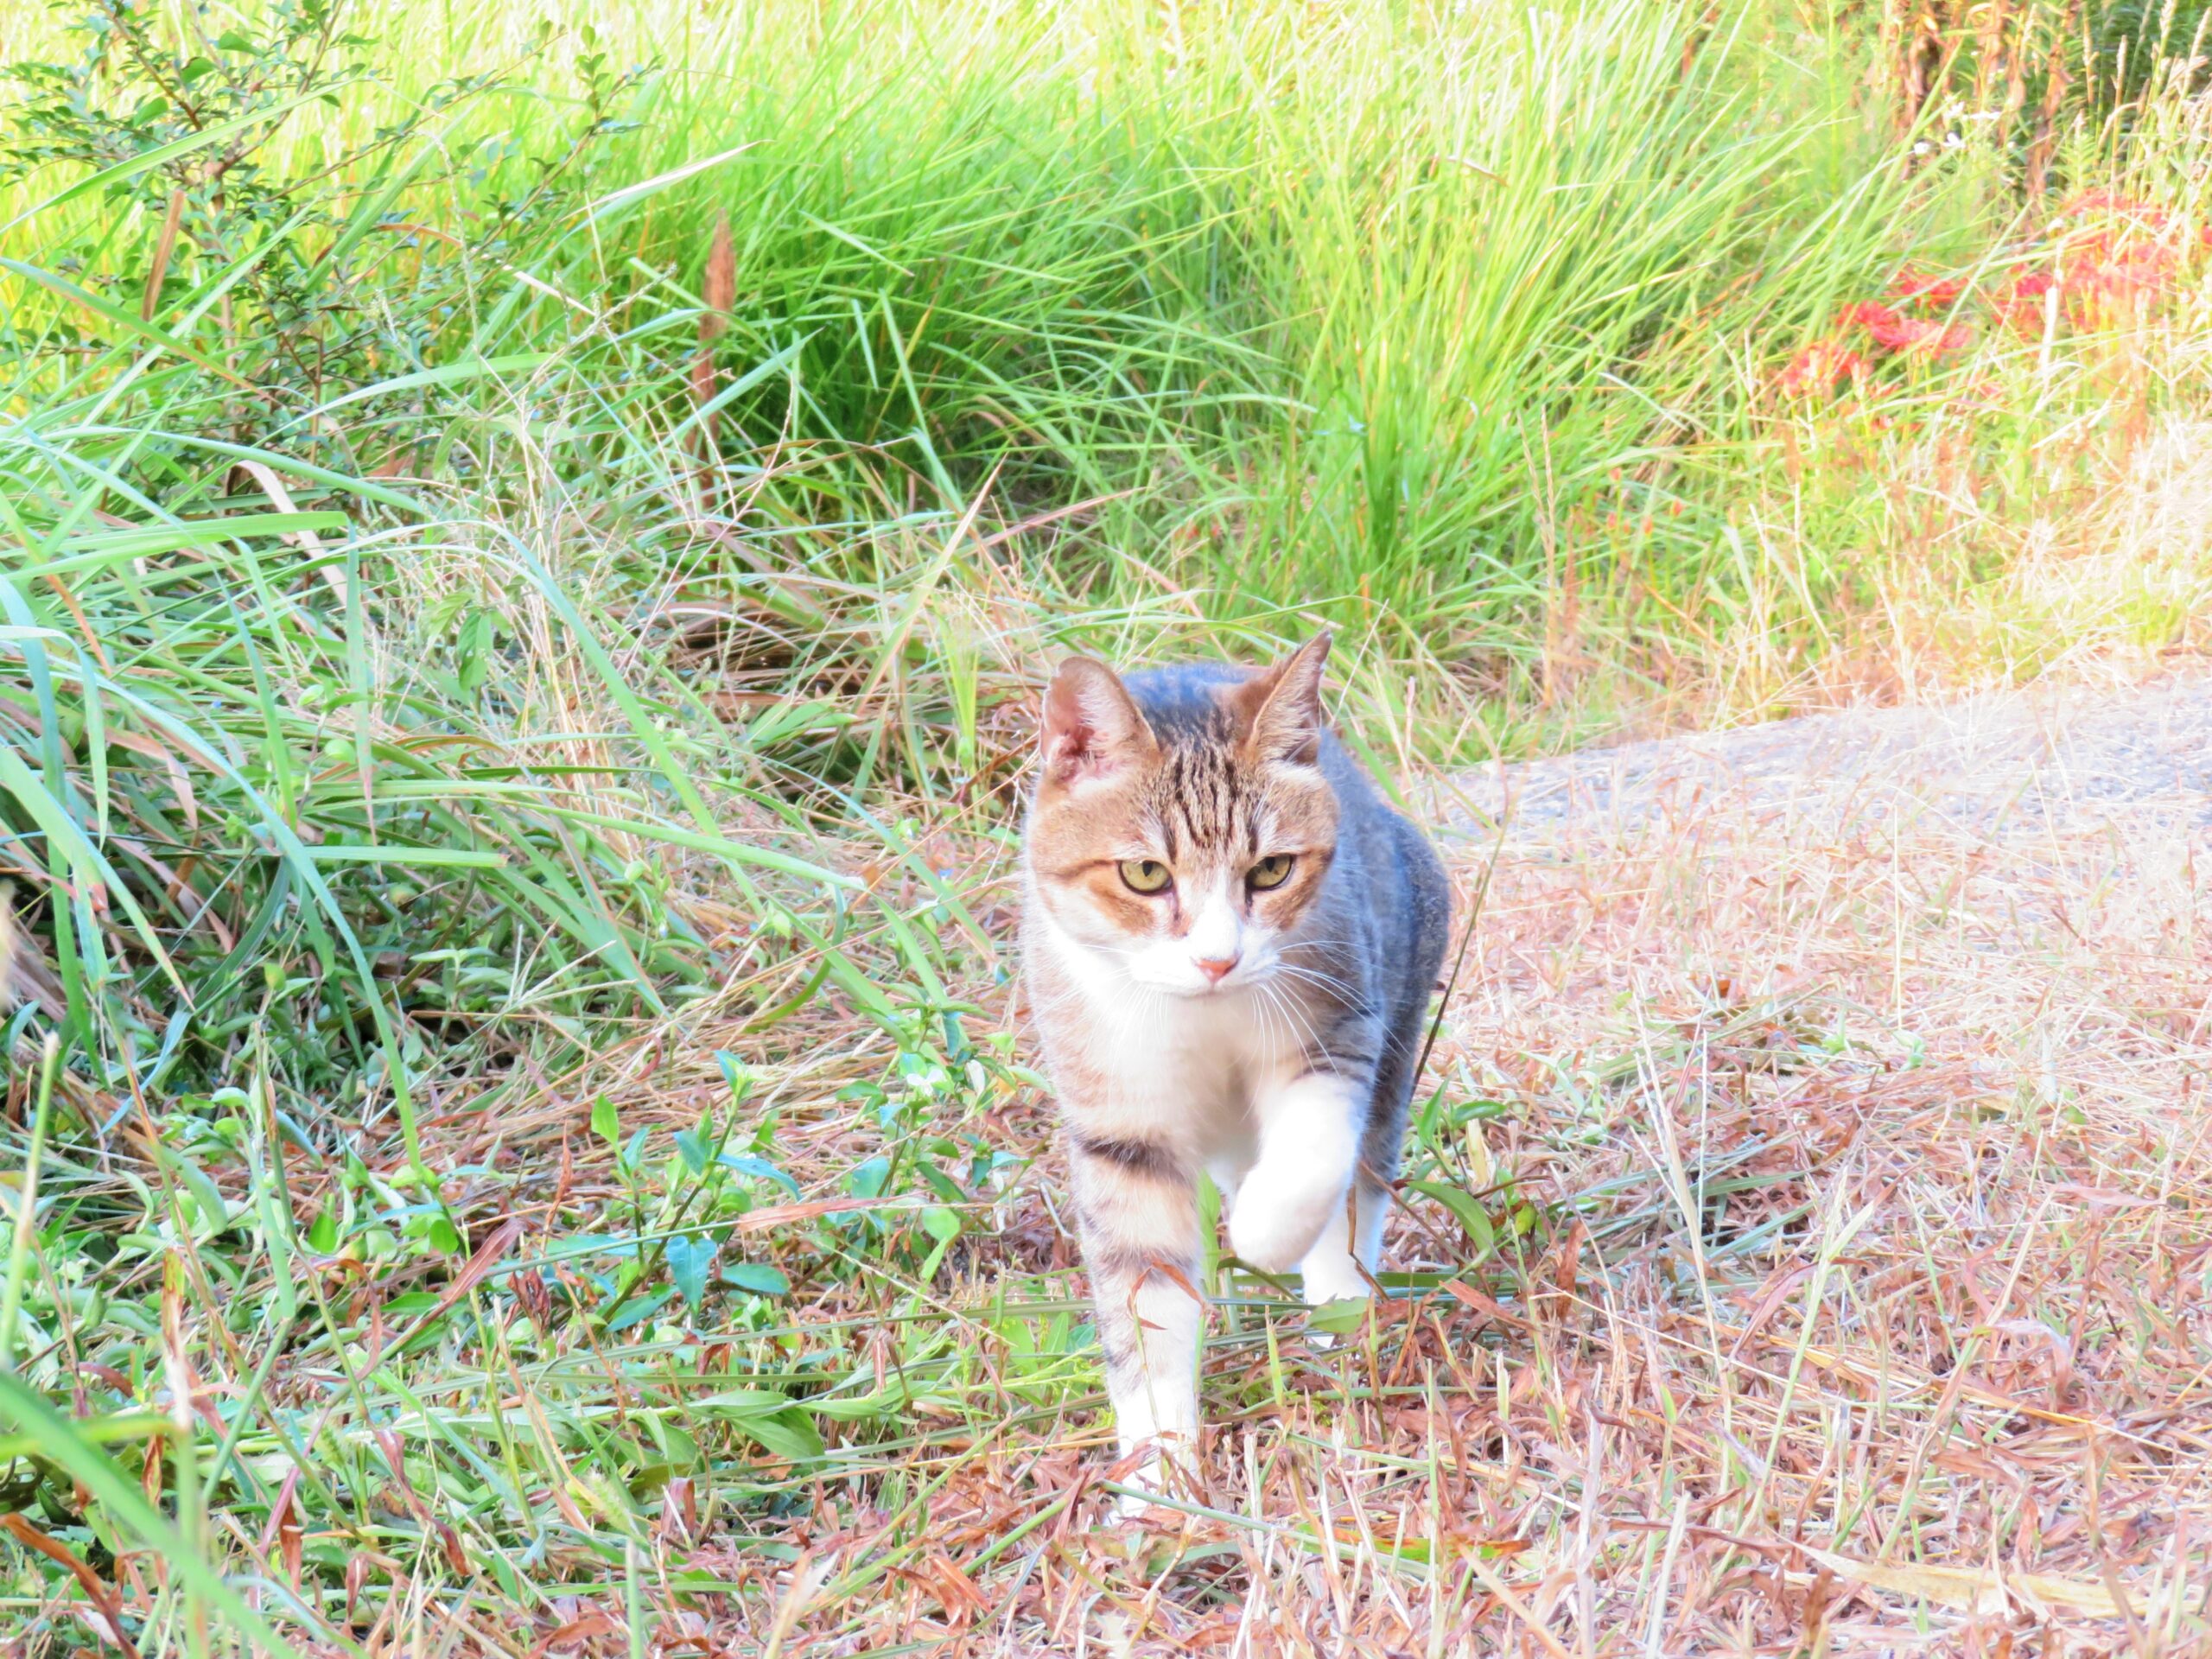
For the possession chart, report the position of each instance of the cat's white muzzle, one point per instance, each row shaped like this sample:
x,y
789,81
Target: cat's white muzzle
x,y
1207,961
1213,954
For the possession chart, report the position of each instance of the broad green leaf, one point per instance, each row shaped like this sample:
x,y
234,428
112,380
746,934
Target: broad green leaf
x,y
745,1164
788,1434
756,1278
1466,1208
691,1258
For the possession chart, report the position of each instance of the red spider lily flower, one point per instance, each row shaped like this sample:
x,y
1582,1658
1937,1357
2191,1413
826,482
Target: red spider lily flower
x,y
2107,204
1885,325
2021,304
2088,201
1817,368
2111,282
2144,269
1916,288
1897,334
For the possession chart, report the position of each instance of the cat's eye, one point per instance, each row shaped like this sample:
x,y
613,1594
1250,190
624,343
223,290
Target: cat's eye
x,y
1271,872
1144,874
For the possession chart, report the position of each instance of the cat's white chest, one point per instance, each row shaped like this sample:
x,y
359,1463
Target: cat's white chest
x,y
1212,1043
1186,1068
1217,1054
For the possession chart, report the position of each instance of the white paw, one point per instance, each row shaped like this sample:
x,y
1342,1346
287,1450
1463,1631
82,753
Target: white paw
x,y
1337,1281
1273,1231
1138,1509
1143,1505
1339,1308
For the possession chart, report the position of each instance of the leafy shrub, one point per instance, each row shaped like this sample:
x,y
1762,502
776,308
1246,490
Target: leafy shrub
x,y
284,284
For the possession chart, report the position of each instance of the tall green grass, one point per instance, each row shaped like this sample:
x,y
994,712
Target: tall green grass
x,y
1342,316
1315,297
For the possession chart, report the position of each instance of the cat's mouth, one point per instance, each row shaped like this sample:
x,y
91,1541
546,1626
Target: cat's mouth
x,y
1170,967
1202,986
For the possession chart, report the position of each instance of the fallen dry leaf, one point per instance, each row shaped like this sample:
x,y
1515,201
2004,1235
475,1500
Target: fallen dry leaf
x,y
1969,1589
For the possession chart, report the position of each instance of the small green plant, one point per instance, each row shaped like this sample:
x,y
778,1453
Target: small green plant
x,y
217,257
284,285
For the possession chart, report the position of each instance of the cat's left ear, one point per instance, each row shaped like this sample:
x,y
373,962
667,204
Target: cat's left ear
x,y
1286,701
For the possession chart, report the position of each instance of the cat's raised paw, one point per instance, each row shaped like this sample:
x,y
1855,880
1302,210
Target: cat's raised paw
x,y
1273,1232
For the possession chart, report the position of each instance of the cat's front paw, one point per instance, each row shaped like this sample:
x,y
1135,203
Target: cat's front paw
x,y
1273,1230
1330,1274
1150,1484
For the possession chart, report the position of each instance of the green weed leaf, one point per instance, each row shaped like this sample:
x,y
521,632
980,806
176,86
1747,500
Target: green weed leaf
x,y
691,1259
1466,1210
756,1279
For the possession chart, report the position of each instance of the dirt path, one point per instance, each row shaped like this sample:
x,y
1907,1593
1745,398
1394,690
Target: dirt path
x,y
2007,765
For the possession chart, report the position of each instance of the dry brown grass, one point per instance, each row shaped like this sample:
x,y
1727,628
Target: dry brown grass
x,y
1866,1311
1849,1078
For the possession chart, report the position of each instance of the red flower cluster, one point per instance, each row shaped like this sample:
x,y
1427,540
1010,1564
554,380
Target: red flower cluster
x,y
2111,257
2108,204
1817,368
1937,293
1893,331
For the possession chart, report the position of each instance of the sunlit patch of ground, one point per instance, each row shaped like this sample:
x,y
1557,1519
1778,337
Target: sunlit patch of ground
x,y
1850,1076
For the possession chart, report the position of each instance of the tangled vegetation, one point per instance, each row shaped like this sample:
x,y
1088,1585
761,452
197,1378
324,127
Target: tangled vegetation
x,y
528,545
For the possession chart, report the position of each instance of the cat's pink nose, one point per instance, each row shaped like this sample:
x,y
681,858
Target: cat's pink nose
x,y
1215,969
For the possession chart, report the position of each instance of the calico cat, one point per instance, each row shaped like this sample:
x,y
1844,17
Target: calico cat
x,y
1230,943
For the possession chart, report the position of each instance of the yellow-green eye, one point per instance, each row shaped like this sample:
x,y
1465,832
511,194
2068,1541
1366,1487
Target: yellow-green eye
x,y
1144,874
1270,872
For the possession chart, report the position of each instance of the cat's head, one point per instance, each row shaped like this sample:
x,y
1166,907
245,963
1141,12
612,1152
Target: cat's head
x,y
1186,850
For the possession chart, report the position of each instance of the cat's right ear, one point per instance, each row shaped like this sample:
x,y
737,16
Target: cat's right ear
x,y
1092,726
